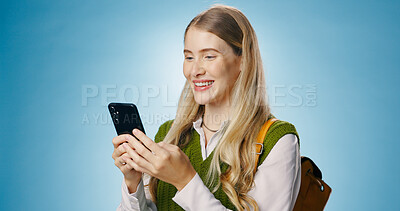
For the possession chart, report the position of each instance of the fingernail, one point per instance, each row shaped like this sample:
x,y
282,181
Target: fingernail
x,y
135,131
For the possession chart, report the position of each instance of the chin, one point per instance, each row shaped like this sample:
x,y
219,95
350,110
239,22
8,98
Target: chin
x,y
201,100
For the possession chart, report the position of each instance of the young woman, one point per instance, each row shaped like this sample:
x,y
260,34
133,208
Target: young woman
x,y
205,158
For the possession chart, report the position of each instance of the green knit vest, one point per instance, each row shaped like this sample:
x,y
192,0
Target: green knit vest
x,y
166,191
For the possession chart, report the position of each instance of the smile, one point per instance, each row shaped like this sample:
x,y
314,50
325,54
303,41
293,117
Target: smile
x,y
202,85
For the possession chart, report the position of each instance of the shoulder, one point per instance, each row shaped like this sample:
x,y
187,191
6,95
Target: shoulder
x,y
280,130
163,130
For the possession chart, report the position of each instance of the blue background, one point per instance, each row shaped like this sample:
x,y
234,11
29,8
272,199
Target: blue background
x,y
332,70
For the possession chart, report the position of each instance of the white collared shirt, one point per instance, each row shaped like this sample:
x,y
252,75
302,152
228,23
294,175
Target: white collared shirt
x,y
277,180
206,149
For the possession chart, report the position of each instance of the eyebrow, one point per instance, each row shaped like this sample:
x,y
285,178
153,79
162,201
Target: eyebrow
x,y
202,50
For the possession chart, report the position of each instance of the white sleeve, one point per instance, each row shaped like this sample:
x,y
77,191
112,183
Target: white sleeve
x,y
277,182
196,196
140,200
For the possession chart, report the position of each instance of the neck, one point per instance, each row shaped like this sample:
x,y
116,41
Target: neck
x,y
214,115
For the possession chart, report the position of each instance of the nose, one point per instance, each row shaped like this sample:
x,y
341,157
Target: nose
x,y
198,68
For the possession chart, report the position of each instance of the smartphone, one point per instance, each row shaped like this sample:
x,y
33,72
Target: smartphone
x,y
125,117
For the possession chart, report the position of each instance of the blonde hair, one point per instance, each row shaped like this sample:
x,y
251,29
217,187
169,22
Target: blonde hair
x,y
248,103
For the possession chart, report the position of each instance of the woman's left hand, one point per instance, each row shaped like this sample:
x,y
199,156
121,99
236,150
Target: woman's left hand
x,y
164,161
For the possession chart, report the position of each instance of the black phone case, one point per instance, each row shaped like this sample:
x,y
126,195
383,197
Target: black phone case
x,y
125,117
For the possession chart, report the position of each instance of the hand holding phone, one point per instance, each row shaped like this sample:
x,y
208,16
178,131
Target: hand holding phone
x,y
125,117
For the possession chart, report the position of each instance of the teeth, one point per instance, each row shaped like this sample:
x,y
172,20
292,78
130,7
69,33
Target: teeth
x,y
204,83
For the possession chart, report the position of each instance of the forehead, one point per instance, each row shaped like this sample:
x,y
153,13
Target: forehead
x,y
197,39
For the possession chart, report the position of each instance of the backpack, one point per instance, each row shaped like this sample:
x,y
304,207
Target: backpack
x,y
314,192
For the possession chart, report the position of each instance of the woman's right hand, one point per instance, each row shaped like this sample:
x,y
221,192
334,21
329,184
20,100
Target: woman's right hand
x,y
131,176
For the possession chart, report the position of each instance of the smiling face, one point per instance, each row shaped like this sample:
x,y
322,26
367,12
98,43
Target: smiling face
x,y
211,67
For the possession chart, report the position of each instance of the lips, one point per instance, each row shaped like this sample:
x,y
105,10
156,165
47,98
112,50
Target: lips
x,y
202,85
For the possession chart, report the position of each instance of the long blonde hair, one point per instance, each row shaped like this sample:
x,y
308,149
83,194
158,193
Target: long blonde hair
x,y
248,103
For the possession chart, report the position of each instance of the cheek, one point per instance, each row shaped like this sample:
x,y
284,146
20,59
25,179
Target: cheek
x,y
222,70
229,73
234,70
216,69
186,71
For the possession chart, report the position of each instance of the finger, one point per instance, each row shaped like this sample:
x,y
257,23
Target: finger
x,y
150,144
118,140
118,151
119,162
141,149
133,163
138,160
125,168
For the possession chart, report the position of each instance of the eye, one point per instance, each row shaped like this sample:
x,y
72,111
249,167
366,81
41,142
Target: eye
x,y
210,57
188,58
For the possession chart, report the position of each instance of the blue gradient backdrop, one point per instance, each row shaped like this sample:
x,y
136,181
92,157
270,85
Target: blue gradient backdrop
x,y
332,70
